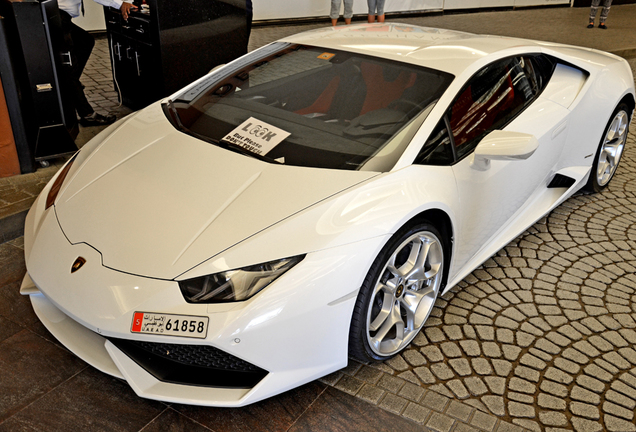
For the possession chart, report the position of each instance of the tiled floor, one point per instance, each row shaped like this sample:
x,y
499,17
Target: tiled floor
x,y
540,337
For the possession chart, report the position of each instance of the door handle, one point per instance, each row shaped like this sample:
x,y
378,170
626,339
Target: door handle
x,y
137,62
68,62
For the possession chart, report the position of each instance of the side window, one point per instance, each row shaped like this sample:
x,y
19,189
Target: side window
x,y
437,150
493,97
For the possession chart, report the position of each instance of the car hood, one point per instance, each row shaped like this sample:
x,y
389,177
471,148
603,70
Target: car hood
x,y
156,202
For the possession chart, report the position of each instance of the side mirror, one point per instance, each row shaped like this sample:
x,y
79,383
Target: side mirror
x,y
503,145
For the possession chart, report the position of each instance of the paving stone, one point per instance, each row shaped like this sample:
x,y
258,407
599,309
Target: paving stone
x,y
475,386
435,401
511,352
580,394
508,427
470,347
393,403
485,332
533,362
527,374
620,399
502,367
516,409
584,410
551,418
585,425
425,375
457,387
417,413
617,360
371,393
520,397
432,353
615,424
451,349
491,349
461,366
410,377
617,410
567,365
555,389
629,354
495,404
483,421
606,365
390,383
625,389
397,363
497,385
545,400
541,354
349,384
414,358
558,375
369,374
440,423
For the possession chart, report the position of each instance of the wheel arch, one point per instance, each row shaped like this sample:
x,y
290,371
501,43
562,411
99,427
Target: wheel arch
x,y
442,221
629,100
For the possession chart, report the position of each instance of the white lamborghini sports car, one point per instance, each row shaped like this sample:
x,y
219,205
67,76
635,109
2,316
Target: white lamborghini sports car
x,y
309,201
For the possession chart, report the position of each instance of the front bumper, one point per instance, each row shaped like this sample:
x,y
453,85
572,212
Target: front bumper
x,y
295,331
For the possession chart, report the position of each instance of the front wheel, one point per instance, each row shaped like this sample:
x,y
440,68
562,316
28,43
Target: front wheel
x,y
398,294
610,150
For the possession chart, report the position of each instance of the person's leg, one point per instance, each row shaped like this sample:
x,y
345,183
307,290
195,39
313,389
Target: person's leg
x,y
249,15
606,8
371,5
348,11
593,10
335,11
79,43
78,58
380,6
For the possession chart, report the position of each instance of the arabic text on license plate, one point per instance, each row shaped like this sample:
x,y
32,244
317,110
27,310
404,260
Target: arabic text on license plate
x,y
170,325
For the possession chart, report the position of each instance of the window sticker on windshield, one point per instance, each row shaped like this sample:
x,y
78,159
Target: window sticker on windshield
x,y
326,56
256,136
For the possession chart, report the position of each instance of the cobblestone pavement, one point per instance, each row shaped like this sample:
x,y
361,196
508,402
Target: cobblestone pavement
x,y
541,335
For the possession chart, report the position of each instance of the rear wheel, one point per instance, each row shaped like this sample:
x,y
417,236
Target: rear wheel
x,y
610,150
398,294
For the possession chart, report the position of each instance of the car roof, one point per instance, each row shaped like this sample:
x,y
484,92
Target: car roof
x,y
447,50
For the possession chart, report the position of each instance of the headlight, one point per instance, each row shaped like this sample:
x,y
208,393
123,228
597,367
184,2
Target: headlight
x,y
235,285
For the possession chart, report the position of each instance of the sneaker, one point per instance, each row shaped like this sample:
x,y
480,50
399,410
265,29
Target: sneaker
x,y
97,119
602,26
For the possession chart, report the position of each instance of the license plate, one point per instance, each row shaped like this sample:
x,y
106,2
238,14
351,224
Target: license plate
x,y
170,325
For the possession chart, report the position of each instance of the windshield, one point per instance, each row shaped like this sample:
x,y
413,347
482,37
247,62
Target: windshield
x,y
313,107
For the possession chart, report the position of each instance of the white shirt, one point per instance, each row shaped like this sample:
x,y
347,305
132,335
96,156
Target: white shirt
x,y
72,7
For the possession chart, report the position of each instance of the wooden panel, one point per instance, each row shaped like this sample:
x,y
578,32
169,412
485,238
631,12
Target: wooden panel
x,y
9,163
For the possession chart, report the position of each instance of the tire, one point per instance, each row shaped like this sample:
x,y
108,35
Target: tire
x,y
610,150
398,293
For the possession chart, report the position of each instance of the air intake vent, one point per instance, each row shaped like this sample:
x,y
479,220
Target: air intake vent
x,y
200,365
561,181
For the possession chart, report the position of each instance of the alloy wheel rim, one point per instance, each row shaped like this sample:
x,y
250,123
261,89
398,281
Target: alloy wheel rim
x,y
405,293
612,148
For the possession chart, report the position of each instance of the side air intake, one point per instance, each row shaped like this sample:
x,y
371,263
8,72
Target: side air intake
x,y
561,181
